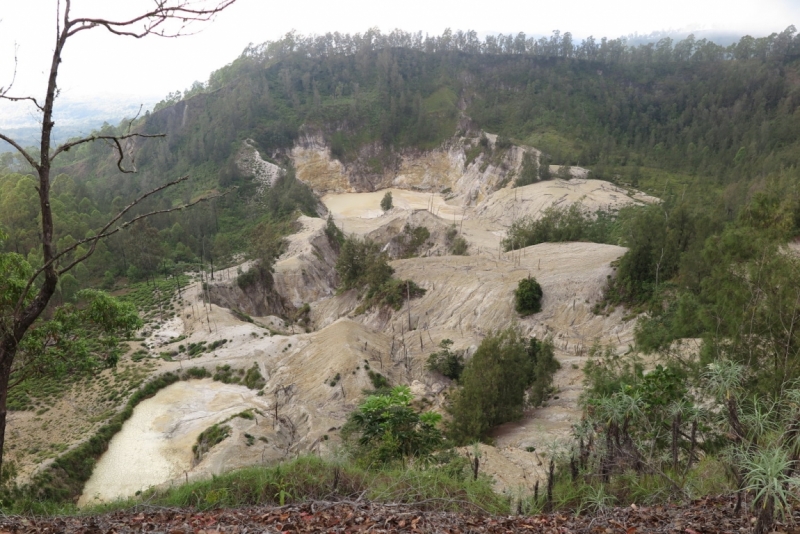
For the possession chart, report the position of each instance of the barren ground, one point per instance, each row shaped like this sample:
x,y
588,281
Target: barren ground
x,y
314,379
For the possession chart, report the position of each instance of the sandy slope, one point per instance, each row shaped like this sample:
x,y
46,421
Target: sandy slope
x,y
467,297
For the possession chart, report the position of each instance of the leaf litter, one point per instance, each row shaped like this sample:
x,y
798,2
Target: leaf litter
x,y
709,515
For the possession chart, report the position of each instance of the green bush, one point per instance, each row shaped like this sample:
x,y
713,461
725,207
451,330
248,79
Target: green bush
x,y
561,224
386,201
529,171
208,438
361,264
412,238
253,379
446,362
494,383
390,429
528,296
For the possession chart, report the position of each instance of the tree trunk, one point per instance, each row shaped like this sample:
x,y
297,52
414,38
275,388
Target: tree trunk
x,y
8,349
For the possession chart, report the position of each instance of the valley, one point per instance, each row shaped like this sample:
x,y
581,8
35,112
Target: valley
x,y
298,410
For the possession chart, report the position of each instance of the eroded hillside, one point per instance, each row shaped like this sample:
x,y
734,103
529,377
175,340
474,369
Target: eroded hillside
x,y
310,350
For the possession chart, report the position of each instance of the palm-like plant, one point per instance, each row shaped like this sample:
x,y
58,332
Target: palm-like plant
x,y
765,474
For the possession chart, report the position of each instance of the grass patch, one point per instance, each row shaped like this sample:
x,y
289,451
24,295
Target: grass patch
x,y
312,478
208,438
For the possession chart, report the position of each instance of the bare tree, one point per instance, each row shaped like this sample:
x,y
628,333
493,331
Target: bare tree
x,y
165,18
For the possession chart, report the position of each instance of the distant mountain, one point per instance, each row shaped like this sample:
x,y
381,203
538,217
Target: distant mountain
x,y
74,117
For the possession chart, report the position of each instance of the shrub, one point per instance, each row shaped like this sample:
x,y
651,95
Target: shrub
x,y
386,201
529,171
459,247
528,296
379,382
253,379
561,224
390,429
208,438
457,244
494,382
446,362
493,388
362,264
411,239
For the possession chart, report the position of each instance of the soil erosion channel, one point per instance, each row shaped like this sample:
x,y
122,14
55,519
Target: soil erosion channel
x,y
314,379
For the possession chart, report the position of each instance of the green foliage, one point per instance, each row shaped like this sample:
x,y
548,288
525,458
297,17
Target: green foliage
x,y
335,235
412,238
76,341
529,171
456,244
379,382
528,297
312,478
445,361
560,224
253,378
459,246
386,201
390,429
361,264
494,383
208,438
541,367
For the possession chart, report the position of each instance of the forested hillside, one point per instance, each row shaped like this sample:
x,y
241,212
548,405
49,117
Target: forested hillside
x,y
718,116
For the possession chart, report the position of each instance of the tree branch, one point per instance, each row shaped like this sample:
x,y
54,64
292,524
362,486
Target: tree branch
x,y
151,20
20,150
113,138
98,237
55,257
3,96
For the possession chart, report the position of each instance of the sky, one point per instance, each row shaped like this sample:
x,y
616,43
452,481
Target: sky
x,y
99,66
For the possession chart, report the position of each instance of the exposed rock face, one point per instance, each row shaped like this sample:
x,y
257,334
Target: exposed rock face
x,y
306,271
442,169
250,163
258,299
315,167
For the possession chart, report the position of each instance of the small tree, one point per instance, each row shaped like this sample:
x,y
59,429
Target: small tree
x,y
528,296
391,429
493,387
495,382
529,171
446,362
386,202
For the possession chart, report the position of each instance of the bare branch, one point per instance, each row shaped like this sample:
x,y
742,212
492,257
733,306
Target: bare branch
x,y
130,123
108,225
5,90
98,237
3,96
152,21
20,150
112,138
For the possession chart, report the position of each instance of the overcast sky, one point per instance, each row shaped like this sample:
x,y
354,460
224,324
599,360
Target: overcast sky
x,y
97,64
